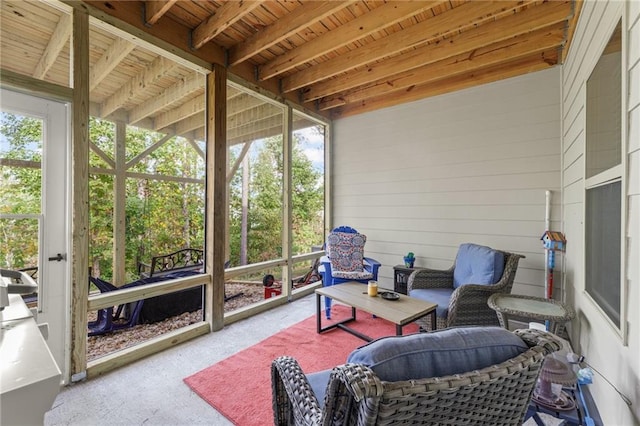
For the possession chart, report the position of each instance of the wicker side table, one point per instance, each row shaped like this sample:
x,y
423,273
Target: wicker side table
x,y
537,308
401,278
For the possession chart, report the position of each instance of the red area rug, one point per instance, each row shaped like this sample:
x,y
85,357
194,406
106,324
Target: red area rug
x,y
240,386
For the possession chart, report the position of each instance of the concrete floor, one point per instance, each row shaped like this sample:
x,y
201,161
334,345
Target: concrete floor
x,y
152,392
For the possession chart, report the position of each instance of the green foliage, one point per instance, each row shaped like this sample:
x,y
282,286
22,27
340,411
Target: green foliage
x,y
162,216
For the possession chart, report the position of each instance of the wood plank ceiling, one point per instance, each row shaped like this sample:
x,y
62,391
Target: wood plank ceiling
x,y
338,58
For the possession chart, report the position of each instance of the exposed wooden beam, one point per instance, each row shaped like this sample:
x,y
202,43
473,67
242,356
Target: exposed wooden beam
x,y
191,84
226,15
234,168
138,84
432,30
375,20
100,153
499,72
303,16
187,109
155,9
189,124
109,61
57,42
520,23
510,49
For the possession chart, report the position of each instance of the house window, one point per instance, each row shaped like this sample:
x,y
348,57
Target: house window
x,y
603,198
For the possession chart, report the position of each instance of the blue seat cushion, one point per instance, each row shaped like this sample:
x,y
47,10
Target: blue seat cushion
x,y
477,265
441,296
440,353
319,382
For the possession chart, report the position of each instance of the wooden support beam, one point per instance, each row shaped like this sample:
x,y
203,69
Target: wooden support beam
x,y
303,16
57,42
109,61
226,15
103,155
155,9
79,192
375,20
135,160
185,87
189,124
186,110
510,49
216,190
484,35
487,75
119,206
234,168
160,67
433,29
287,189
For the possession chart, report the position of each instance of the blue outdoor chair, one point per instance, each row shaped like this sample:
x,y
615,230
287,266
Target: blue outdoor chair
x,y
345,261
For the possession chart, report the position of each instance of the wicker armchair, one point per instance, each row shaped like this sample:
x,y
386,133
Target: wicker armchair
x,y
466,304
355,395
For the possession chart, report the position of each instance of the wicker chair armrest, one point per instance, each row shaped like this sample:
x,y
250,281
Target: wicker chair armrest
x,y
532,337
350,385
430,278
292,394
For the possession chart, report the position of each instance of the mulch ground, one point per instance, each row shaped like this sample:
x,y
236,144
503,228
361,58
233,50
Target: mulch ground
x,y
98,346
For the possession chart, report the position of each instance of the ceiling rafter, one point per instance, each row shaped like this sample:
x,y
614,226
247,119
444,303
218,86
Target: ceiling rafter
x,y
430,30
451,84
229,13
514,48
193,83
137,85
484,35
155,9
58,40
187,109
375,20
303,16
115,54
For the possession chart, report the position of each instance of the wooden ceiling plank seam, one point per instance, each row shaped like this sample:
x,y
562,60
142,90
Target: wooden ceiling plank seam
x,y
430,30
489,75
109,61
279,30
225,16
156,9
59,39
187,109
378,18
171,95
520,46
520,23
160,67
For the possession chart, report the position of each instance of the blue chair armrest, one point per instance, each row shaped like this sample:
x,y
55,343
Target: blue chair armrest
x,y
371,265
325,270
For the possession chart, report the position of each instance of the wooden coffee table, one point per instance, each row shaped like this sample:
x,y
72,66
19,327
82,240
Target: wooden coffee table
x,y
400,312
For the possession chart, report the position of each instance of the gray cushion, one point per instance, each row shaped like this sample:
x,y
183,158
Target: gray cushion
x,y
440,353
477,265
441,296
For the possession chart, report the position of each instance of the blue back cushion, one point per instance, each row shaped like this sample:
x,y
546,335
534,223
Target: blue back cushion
x,y
477,265
440,353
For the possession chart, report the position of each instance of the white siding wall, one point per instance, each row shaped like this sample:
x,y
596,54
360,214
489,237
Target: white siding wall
x,y
472,166
592,334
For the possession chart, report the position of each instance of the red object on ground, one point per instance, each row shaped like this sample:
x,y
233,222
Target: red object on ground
x,y
271,292
239,387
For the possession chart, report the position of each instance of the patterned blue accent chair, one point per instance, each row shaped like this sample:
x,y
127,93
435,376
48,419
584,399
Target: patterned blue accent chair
x,y
345,261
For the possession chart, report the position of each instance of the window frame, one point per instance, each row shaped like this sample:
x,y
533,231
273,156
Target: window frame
x,y
618,172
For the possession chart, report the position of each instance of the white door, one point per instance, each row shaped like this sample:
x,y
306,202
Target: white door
x,y
34,206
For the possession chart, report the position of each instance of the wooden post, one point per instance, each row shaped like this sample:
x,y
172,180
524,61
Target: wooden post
x,y
119,213
80,193
287,153
216,194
